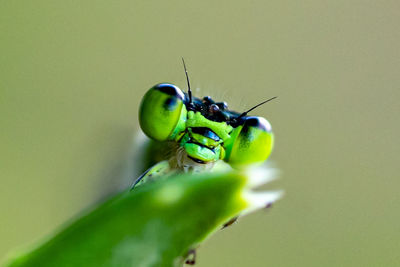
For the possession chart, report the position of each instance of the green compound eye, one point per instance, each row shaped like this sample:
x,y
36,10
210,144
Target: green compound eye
x,y
162,113
250,143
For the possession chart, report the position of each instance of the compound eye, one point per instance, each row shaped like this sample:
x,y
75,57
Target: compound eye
x,y
252,143
161,110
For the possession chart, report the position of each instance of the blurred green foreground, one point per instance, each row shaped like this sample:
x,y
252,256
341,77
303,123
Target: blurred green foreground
x,y
155,224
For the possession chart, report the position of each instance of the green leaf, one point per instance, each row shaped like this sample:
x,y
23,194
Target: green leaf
x,y
155,224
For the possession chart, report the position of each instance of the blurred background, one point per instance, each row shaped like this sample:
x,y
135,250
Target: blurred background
x,y
72,74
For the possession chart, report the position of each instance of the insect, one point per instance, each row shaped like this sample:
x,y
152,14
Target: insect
x,y
205,132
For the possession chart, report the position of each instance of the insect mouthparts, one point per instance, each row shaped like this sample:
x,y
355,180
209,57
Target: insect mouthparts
x,y
206,132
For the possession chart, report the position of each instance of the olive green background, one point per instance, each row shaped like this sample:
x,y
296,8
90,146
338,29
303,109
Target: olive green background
x,y
72,74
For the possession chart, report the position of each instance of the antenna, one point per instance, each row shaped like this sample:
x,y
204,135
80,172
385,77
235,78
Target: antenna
x,y
256,106
188,83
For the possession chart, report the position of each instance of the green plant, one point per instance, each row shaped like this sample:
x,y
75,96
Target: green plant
x,y
157,224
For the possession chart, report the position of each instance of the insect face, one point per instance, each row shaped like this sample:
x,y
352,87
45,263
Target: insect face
x,y
206,130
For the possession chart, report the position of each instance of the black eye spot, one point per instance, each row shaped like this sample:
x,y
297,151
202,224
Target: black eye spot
x,y
170,89
245,129
170,104
258,122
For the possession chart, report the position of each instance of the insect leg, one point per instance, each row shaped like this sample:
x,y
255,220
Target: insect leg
x,y
230,222
140,178
191,257
160,169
